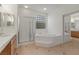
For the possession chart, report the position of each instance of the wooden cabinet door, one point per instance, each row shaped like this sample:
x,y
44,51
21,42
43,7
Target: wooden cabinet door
x,y
7,50
13,45
10,49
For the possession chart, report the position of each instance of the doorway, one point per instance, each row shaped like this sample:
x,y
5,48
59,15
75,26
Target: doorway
x,y
71,33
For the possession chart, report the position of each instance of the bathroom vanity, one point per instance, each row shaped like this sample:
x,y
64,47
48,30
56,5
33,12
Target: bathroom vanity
x,y
75,34
8,45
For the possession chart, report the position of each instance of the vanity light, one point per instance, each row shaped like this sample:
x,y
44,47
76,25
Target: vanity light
x,y
44,8
26,6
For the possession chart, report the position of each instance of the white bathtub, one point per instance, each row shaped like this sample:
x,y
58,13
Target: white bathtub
x,y
48,40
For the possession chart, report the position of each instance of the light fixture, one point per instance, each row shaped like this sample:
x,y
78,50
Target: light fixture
x,y
26,6
72,20
44,8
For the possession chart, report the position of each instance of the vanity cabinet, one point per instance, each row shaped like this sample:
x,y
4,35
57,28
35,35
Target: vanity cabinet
x,y
10,49
75,34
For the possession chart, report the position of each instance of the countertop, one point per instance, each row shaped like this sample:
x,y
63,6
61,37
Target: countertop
x,y
74,29
4,40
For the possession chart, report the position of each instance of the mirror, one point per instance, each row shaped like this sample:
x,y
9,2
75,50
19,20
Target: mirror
x,y
72,23
8,20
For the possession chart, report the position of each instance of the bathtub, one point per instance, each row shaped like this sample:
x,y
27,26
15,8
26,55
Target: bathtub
x,y
49,40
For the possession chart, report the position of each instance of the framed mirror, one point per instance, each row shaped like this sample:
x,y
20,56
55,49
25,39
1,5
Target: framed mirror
x,y
8,20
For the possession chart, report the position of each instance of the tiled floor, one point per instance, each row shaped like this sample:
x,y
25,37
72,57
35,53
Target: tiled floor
x,y
69,48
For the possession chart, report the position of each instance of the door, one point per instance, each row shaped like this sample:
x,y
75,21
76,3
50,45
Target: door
x,y
26,29
67,32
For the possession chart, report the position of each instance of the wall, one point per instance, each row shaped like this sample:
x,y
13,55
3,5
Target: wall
x,y
12,9
55,19
9,8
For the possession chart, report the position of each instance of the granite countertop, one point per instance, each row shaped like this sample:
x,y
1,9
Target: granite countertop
x,y
4,40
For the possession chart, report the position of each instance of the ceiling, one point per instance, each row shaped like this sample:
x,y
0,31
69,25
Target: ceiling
x,y
50,7
39,7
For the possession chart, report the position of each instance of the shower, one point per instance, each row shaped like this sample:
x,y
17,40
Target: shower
x,y
26,29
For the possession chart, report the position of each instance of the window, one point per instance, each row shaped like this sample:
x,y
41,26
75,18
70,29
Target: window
x,y
40,25
40,22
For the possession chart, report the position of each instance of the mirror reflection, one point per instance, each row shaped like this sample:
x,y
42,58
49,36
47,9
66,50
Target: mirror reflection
x,y
74,23
8,20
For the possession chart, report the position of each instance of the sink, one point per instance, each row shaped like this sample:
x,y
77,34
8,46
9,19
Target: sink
x,y
3,34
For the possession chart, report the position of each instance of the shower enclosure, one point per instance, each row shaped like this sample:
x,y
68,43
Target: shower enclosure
x,y
26,29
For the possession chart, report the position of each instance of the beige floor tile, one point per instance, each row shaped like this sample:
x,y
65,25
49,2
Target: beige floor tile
x,y
69,48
